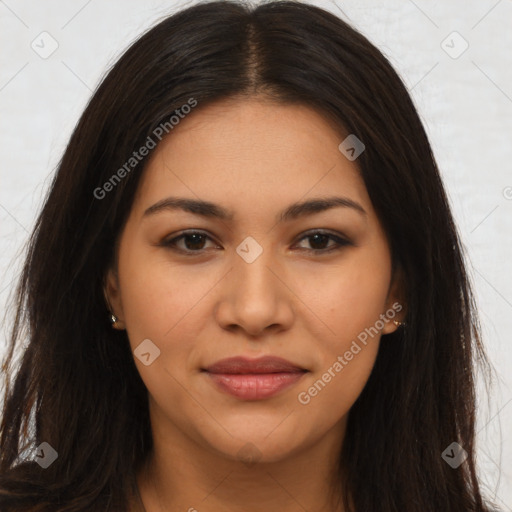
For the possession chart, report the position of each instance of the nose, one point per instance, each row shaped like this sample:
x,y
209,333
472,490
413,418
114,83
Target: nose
x,y
255,297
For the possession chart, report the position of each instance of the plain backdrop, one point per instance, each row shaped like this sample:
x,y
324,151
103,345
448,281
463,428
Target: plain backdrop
x,y
454,56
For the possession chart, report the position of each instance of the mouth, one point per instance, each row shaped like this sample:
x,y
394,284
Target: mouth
x,y
254,379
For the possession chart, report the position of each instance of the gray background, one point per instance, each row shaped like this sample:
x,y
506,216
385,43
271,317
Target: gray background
x,y
464,99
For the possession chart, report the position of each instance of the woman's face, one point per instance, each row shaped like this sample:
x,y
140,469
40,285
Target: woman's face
x,y
255,282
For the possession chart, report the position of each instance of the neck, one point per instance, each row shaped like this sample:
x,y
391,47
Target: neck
x,y
185,476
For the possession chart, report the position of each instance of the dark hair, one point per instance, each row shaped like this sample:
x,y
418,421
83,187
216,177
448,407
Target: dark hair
x,y
76,386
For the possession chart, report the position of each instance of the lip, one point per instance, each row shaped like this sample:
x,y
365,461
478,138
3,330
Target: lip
x,y
241,365
254,379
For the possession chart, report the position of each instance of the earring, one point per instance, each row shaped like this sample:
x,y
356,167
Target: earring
x,y
397,323
114,321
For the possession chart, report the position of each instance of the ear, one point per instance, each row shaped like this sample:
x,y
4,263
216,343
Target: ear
x,y
112,295
395,302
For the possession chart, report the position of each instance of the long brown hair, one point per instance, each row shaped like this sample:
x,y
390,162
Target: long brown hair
x,y
76,386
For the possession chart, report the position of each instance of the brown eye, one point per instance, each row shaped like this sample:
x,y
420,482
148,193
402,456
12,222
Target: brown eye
x,y
193,242
318,241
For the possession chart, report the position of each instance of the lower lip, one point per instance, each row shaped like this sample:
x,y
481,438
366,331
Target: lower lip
x,y
253,386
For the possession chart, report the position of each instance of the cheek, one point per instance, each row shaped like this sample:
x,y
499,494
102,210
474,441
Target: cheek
x,y
347,354
169,306
353,298
157,295
349,297
162,304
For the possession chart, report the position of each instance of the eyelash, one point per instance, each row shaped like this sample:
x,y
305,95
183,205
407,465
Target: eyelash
x,y
340,242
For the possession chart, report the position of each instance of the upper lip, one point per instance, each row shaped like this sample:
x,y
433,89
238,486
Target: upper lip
x,y
266,364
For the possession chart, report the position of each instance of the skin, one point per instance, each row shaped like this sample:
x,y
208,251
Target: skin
x,y
255,158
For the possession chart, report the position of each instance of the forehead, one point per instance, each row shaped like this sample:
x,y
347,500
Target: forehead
x,y
251,152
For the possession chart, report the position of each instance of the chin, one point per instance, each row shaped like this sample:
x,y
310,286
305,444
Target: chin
x,y
257,445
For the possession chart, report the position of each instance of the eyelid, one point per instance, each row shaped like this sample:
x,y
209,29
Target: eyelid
x,y
169,242
340,240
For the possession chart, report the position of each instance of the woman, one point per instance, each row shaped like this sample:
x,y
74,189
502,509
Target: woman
x,y
245,290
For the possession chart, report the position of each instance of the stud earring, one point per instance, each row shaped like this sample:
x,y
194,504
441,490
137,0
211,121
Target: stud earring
x,y
114,321
397,323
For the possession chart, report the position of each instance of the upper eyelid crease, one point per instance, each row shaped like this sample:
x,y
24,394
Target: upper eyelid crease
x,y
212,210
339,239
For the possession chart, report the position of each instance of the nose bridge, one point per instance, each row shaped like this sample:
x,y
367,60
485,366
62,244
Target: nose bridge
x,y
251,268
255,297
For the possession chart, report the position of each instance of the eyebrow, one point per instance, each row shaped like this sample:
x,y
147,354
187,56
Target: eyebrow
x,y
211,210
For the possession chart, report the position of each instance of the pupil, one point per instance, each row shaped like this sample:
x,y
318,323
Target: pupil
x,y
196,240
316,237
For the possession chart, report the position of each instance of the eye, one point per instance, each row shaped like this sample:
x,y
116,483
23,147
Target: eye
x,y
194,242
318,239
